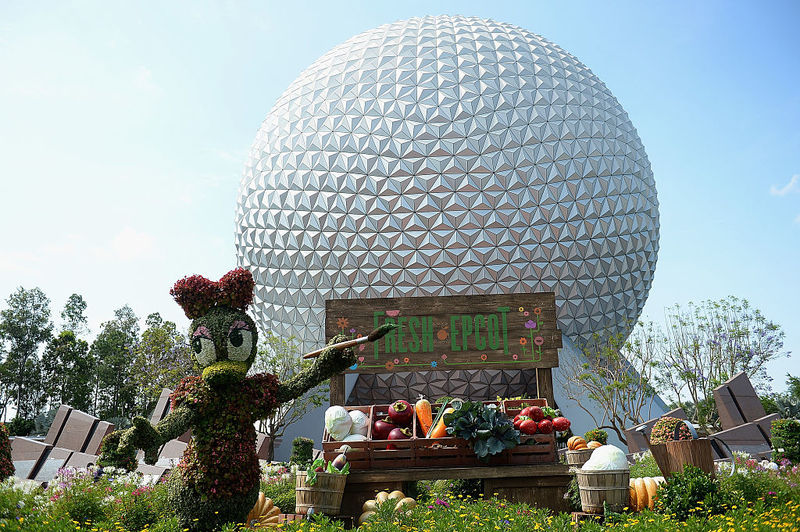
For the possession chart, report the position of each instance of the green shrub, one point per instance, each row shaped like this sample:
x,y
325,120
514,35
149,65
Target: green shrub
x,y
645,465
445,489
302,451
134,508
20,427
596,435
690,493
282,492
786,439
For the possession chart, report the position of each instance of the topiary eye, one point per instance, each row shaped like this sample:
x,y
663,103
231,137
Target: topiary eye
x,y
203,347
240,343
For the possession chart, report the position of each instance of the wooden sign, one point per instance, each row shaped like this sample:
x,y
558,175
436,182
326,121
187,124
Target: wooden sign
x,y
506,331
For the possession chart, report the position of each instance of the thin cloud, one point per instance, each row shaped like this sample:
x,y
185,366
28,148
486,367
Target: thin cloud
x,y
797,219
792,186
127,246
19,262
143,80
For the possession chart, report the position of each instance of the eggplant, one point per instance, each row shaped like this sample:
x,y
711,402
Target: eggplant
x,y
381,429
340,461
401,413
400,434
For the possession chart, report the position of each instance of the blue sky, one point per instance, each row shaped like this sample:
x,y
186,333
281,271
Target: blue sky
x,y
124,129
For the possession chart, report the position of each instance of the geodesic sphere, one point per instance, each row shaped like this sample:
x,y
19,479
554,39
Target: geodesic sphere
x,y
444,156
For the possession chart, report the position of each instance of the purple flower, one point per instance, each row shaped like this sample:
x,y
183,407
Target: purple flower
x,y
530,324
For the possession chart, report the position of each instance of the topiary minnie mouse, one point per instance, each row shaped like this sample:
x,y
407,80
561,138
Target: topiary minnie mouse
x,y
217,480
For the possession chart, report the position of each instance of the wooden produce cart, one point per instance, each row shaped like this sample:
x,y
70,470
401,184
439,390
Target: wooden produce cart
x,y
509,331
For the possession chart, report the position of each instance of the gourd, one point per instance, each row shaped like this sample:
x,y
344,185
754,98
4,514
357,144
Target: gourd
x,y
264,513
576,443
396,498
643,492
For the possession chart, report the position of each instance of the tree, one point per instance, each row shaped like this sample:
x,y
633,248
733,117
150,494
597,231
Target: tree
x,y
793,386
282,358
705,345
73,315
160,360
612,380
68,372
24,326
115,393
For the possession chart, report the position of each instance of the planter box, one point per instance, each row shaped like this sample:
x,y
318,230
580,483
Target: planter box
x,y
512,407
534,449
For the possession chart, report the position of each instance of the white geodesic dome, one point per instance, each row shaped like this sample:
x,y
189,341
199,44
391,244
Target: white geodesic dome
x,y
445,156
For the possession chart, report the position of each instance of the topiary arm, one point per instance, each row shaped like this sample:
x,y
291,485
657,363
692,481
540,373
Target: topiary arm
x,y
331,362
143,435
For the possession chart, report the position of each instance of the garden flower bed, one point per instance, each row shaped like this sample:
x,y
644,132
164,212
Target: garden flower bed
x,y
759,496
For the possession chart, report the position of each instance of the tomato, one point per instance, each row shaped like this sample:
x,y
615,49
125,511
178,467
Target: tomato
x,y
528,426
536,413
561,424
545,426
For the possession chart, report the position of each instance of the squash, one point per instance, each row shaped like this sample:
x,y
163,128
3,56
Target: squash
x,y
643,492
264,513
593,444
574,442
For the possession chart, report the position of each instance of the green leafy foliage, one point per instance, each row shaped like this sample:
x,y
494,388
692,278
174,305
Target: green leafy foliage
x,y
20,427
68,372
24,326
111,455
488,429
302,451
786,439
691,493
282,358
596,435
281,489
328,467
160,359
644,465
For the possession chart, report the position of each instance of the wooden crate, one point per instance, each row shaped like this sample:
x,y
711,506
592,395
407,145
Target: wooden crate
x,y
381,456
512,407
534,449
439,452
358,456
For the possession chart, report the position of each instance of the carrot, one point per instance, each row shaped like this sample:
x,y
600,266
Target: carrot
x,y
424,415
440,430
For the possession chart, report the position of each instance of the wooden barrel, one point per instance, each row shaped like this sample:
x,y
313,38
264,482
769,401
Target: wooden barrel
x,y
609,486
325,496
694,452
579,457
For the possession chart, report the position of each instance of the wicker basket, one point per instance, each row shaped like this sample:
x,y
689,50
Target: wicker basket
x,y
579,457
609,486
325,496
